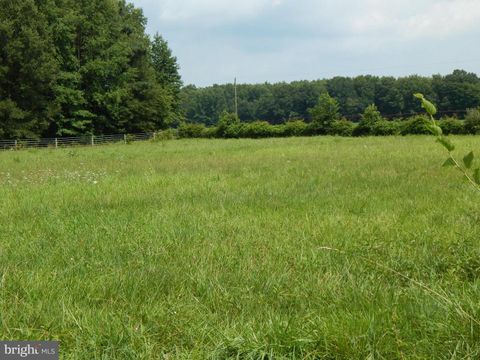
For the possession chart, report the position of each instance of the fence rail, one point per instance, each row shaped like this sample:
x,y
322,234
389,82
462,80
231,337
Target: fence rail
x,y
62,142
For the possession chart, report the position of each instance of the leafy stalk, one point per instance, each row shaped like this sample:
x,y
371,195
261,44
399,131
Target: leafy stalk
x,y
466,168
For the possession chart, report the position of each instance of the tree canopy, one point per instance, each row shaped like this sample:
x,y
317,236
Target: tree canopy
x,y
70,67
280,102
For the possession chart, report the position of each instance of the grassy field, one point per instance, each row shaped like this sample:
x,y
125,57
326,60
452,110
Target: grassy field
x,y
217,249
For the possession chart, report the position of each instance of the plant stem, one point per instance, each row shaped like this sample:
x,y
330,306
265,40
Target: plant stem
x,y
457,164
464,172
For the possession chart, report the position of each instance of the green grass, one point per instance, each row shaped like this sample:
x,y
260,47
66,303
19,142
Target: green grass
x,y
202,249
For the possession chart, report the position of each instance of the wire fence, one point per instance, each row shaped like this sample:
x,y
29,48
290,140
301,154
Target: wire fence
x,y
62,142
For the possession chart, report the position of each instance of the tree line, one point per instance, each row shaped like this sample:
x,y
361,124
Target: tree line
x,y
71,67
326,120
281,102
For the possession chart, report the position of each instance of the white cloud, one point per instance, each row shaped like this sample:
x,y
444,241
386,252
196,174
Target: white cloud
x,y
417,19
445,18
206,12
277,39
401,18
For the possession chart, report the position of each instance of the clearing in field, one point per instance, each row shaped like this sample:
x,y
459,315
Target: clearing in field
x,y
217,249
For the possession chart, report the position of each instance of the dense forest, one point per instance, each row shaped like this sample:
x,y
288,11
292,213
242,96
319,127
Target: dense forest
x,y
278,103
70,67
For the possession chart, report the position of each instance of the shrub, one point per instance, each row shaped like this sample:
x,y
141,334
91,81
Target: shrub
x,y
472,121
370,117
452,126
168,134
416,125
129,139
226,120
260,129
342,127
234,131
314,128
293,128
361,130
385,128
325,113
210,132
191,130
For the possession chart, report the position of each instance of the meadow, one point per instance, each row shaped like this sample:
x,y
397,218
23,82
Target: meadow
x,y
295,248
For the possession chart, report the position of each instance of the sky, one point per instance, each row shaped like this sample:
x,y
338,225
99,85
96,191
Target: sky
x,y
260,41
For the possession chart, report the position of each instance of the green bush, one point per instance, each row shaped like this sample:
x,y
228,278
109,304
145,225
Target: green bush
x,y
168,134
372,124
293,128
385,128
342,127
210,132
324,113
129,139
314,128
225,121
452,126
234,131
415,126
263,129
472,121
260,129
191,131
370,117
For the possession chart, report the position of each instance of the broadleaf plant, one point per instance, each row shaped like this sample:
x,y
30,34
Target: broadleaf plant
x,y
473,176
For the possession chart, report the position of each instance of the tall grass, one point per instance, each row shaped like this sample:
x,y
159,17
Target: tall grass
x,y
197,249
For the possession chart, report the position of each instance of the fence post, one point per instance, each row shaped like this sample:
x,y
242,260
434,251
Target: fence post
x,y
16,144
93,140
154,135
56,143
125,138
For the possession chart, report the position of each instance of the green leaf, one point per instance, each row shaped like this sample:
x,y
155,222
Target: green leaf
x,y
429,107
449,162
434,129
447,144
476,176
468,160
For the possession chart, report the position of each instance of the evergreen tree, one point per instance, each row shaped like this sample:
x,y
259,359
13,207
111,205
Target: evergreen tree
x,y
326,110
325,113
166,70
28,70
71,67
370,117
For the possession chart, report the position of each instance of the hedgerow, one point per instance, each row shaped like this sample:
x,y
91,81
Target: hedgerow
x,y
371,124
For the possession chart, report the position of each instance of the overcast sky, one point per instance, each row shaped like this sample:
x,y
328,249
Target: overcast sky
x,y
286,40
